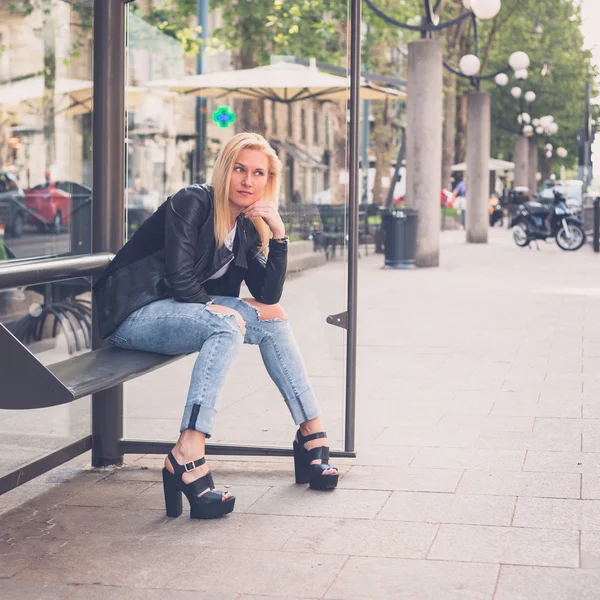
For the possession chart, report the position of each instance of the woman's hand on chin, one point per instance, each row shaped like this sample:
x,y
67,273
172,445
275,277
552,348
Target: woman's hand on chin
x,y
269,213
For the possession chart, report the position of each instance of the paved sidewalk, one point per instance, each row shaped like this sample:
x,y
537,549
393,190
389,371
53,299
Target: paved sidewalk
x,y
478,439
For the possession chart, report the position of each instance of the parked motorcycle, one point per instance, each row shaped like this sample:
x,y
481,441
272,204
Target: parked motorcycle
x,y
533,221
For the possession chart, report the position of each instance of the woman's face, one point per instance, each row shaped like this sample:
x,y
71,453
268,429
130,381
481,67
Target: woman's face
x,y
249,178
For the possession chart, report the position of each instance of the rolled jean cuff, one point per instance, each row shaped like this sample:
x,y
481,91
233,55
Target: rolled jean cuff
x,y
198,417
303,407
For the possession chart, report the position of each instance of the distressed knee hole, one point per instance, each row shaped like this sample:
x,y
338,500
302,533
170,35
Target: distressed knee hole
x,y
232,318
267,312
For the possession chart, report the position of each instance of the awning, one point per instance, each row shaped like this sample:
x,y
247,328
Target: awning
x,y
302,156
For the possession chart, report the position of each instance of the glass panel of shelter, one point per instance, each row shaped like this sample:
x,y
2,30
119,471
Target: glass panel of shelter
x,y
45,198
172,140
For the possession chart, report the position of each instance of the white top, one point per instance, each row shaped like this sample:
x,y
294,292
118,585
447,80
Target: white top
x,y
229,243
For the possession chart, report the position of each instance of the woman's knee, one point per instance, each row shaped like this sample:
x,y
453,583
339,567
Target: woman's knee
x,y
266,312
225,313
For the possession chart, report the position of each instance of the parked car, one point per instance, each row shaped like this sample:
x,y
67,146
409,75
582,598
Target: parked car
x,y
49,204
572,189
12,205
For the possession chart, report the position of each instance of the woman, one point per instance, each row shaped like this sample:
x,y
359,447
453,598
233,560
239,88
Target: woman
x,y
174,288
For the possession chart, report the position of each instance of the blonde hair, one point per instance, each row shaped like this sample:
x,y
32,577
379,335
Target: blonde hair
x,y
222,176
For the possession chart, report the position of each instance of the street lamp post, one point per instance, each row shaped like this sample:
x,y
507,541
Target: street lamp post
x,y
478,135
519,61
424,120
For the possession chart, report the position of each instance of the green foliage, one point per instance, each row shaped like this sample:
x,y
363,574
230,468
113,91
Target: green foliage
x,y
255,30
561,92
174,18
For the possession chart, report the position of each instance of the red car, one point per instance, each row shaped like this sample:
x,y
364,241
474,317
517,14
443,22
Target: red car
x,y
49,204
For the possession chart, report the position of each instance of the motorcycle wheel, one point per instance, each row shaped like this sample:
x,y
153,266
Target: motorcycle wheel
x,y
520,235
570,240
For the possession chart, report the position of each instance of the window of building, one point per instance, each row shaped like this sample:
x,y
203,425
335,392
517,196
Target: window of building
x,y
290,124
315,127
274,117
303,125
326,125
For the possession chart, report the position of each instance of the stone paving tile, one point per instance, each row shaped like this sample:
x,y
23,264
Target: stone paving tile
x,y
254,597
590,550
510,440
354,537
562,462
35,590
237,530
510,407
404,478
488,423
64,522
448,508
590,442
106,592
301,501
363,578
286,574
540,547
109,560
556,513
465,404
17,555
49,489
591,411
134,472
536,583
518,483
590,486
384,456
428,436
548,425
469,458
109,494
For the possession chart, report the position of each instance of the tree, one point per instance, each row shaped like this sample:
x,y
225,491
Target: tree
x,y
561,92
380,55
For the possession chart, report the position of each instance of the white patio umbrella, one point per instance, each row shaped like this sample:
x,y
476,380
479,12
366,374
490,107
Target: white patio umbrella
x,y
495,164
281,82
72,96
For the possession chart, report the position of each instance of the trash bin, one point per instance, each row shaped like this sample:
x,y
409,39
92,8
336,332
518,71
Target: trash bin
x,y
400,235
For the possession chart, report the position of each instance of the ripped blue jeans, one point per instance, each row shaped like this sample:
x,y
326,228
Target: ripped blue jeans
x,y
170,327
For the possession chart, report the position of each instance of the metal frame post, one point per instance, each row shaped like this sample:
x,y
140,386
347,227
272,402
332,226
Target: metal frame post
x,y
108,153
596,234
350,421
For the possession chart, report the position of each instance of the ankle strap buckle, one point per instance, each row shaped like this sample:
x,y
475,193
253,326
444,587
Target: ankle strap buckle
x,y
189,466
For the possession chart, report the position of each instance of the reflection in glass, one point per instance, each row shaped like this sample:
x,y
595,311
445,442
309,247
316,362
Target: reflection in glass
x,y
46,92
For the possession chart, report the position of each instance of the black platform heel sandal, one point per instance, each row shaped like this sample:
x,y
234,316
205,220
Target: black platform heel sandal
x,y
210,505
313,474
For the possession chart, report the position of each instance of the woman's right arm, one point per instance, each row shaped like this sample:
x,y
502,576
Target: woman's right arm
x,y
184,218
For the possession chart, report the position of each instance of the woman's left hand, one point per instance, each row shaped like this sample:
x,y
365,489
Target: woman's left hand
x,y
269,213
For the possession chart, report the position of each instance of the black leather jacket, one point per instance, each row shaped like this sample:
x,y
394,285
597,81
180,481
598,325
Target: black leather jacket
x,y
173,254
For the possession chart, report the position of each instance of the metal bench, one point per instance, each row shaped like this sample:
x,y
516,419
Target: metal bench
x,y
28,384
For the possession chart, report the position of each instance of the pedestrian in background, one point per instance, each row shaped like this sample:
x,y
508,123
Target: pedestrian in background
x,y
460,200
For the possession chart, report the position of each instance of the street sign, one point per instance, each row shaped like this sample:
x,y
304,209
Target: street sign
x,y
223,116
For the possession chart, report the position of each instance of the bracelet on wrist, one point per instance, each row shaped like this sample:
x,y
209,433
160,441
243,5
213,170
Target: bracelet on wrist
x,y
281,240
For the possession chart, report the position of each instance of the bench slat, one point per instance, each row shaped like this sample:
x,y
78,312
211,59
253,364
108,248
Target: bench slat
x,y
105,368
27,383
